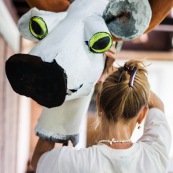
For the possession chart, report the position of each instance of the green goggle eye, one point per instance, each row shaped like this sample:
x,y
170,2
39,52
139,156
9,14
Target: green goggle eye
x,y
100,42
38,27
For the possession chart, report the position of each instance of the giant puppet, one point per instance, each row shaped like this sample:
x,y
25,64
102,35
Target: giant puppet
x,y
61,70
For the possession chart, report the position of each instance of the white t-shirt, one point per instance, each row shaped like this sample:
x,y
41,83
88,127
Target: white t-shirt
x,y
150,154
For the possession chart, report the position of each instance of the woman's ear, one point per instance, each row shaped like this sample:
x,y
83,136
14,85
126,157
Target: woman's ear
x,y
142,114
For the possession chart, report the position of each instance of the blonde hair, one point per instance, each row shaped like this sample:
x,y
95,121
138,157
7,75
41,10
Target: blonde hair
x,y
118,100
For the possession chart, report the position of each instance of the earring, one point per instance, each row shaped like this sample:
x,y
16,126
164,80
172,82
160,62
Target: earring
x,y
100,113
139,126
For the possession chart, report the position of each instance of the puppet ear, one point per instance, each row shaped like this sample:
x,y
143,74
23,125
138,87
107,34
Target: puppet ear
x,y
127,19
160,10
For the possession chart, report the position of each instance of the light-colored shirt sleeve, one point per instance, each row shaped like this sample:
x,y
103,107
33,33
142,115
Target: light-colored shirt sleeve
x,y
56,161
156,131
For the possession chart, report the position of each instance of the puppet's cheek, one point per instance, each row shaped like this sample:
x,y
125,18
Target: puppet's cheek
x,y
127,19
46,83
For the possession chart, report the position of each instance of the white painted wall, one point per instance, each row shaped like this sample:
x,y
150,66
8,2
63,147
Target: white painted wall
x,y
23,145
8,28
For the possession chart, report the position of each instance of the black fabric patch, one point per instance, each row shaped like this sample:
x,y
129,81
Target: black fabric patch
x,y
44,82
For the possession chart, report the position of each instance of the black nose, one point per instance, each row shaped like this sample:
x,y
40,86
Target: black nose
x,y
44,82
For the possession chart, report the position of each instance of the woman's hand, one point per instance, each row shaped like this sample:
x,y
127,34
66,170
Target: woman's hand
x,y
109,68
41,147
155,102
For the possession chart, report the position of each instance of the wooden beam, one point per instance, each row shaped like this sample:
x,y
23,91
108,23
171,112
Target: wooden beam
x,y
49,5
2,49
148,55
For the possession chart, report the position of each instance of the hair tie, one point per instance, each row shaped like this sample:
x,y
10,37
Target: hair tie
x,y
131,70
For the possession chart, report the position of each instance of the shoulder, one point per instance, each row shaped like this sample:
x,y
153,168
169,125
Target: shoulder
x,y
77,159
156,125
155,156
71,154
155,114
156,136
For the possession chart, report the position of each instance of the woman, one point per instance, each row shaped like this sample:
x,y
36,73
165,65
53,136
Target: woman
x,y
124,101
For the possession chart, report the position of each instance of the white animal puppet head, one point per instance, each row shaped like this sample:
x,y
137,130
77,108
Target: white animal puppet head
x,y
67,61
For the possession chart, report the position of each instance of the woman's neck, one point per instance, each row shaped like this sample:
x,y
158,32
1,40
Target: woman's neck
x,y
120,145
120,131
